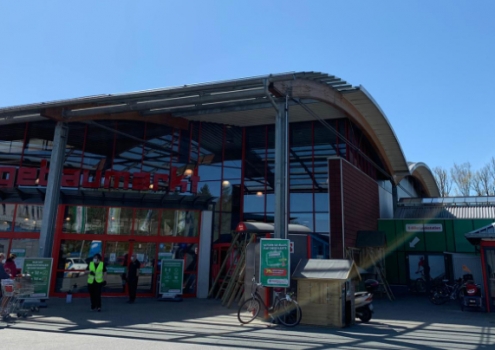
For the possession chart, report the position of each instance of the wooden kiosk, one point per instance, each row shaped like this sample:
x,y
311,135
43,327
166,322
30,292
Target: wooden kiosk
x,y
325,291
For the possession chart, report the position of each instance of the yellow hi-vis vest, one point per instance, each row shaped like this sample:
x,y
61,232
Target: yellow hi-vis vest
x,y
98,271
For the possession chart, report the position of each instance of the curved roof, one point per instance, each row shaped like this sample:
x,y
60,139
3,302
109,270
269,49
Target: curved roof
x,y
422,172
241,102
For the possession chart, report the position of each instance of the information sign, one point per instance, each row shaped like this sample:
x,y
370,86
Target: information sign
x,y
274,262
171,276
40,270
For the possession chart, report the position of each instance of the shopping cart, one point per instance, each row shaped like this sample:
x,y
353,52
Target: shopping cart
x,y
7,296
15,292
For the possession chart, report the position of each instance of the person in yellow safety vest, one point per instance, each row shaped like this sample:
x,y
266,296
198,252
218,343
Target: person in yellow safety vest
x,y
96,281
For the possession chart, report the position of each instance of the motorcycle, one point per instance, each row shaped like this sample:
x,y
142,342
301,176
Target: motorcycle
x,y
471,294
363,301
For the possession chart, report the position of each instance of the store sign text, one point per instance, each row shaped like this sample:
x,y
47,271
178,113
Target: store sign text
x,y
424,228
11,177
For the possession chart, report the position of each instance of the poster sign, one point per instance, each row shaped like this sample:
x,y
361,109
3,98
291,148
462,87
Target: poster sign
x,y
40,270
424,228
171,276
274,262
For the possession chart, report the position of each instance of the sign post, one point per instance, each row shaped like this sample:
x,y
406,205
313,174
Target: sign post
x,y
275,262
171,279
40,270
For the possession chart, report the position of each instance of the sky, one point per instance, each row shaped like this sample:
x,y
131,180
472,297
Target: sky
x,y
430,65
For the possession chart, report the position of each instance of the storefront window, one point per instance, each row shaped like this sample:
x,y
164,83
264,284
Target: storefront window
x,y
301,202
188,223
87,220
145,254
6,217
146,222
73,259
305,219
322,222
24,248
180,223
4,246
119,221
28,218
117,258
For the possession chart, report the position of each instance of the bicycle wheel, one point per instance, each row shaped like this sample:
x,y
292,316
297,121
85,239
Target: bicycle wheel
x,y
420,285
248,310
288,313
436,297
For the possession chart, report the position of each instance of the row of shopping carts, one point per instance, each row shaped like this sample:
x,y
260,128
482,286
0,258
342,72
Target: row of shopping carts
x,y
15,297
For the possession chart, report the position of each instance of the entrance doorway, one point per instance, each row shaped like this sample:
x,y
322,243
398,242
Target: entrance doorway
x,y
116,234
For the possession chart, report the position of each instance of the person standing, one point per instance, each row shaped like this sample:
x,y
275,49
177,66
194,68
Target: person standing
x,y
132,278
96,281
10,266
3,275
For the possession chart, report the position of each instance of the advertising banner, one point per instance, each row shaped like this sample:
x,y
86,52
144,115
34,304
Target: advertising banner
x,y
171,276
274,262
40,270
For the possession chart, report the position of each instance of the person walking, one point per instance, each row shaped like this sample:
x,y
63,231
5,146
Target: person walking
x,y
132,278
3,274
10,266
96,281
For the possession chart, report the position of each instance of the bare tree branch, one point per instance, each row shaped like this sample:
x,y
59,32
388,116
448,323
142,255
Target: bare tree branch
x,y
482,182
443,181
462,176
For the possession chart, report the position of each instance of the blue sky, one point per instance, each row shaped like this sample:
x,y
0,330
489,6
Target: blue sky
x,y
430,65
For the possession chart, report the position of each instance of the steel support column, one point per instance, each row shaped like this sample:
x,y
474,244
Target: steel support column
x,y
395,198
281,220
53,189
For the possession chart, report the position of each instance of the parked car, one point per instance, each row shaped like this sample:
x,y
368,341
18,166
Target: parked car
x,y
75,264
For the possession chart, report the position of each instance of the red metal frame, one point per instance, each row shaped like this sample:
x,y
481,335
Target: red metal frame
x,y
131,238
243,168
484,245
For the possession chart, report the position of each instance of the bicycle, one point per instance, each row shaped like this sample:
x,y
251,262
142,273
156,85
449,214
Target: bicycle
x,y
445,292
285,309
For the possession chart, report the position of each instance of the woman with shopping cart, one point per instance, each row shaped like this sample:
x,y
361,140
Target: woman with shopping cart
x,y
3,276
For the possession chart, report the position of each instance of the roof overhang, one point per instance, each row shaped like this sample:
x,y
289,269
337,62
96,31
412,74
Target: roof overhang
x,y
242,102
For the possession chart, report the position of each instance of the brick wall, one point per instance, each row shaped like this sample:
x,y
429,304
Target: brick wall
x,y
360,204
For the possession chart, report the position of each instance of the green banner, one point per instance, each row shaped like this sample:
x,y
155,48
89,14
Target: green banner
x,y
274,262
171,276
116,269
40,270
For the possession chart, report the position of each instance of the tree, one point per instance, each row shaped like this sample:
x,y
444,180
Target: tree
x,y
482,181
462,176
443,181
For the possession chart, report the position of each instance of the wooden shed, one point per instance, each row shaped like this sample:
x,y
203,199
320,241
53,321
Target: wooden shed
x,y
325,291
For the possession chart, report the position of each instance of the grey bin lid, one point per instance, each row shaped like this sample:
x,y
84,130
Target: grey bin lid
x,y
326,269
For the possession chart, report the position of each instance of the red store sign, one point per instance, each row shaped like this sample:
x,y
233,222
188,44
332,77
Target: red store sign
x,y
11,177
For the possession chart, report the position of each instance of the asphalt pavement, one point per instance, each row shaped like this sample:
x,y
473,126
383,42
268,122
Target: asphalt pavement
x,y
407,323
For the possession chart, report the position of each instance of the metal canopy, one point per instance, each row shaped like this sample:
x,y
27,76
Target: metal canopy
x,y
241,102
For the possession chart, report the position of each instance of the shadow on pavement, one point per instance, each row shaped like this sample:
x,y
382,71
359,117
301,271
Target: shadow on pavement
x,y
408,323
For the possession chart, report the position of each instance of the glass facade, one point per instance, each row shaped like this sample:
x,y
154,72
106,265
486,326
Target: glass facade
x,y
112,161
118,232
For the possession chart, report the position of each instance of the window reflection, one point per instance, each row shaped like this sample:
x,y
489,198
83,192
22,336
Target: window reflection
x,y
301,202
6,216
79,219
305,219
322,222
28,218
146,222
180,223
119,221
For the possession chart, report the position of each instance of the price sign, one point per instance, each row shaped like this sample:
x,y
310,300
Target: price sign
x,y
40,270
171,276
